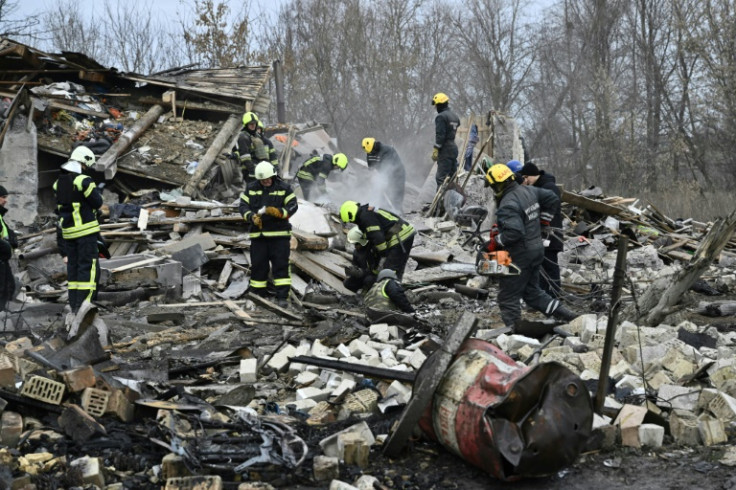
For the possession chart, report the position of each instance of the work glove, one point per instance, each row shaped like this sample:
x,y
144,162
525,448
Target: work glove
x,y
256,219
435,154
275,212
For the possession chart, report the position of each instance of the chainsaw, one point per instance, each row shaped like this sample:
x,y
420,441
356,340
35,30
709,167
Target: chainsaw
x,y
496,263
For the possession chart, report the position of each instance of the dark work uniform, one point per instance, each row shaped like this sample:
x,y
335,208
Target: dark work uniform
x,y
269,245
518,215
385,160
550,281
366,259
446,123
388,294
391,236
250,151
312,175
8,242
77,202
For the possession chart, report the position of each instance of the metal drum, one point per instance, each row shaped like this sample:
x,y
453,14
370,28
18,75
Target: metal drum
x,y
511,421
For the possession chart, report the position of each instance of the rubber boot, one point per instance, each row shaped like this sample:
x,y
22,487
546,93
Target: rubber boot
x,y
562,313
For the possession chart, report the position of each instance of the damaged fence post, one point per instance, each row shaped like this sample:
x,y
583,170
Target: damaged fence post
x,y
431,376
618,281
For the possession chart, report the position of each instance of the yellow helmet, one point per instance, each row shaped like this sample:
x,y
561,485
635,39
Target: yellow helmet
x,y
83,155
264,170
340,161
499,173
440,98
348,211
368,144
249,117
356,235
260,124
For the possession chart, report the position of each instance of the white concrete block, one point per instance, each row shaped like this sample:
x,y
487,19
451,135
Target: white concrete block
x,y
248,370
678,397
306,378
345,387
417,359
400,391
379,332
280,361
342,351
320,350
651,435
359,348
316,394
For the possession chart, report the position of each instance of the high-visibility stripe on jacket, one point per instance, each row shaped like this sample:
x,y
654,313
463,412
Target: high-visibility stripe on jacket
x,y
77,200
278,195
316,168
383,229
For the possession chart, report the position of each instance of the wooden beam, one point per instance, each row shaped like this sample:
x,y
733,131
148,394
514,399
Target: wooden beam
x,y
108,161
229,129
590,204
315,271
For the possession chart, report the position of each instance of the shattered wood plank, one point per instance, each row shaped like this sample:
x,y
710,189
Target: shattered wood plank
x,y
135,265
590,204
227,269
240,313
658,300
310,241
330,262
58,105
332,308
229,129
143,219
438,257
107,163
299,285
273,306
431,274
315,271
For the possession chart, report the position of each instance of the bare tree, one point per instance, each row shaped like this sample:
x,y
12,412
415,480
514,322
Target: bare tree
x,y
10,26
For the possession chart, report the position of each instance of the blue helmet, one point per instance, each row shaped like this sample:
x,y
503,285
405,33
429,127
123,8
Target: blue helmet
x,y
515,166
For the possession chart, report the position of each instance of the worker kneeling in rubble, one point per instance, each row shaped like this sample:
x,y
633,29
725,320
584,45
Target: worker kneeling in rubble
x,y
267,204
361,273
521,213
313,173
77,204
387,294
391,236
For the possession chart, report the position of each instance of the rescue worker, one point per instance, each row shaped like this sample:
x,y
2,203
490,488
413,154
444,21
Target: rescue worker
x,y
391,236
250,148
385,161
550,279
267,204
520,210
387,294
313,173
8,242
362,272
77,203
516,166
445,150
272,157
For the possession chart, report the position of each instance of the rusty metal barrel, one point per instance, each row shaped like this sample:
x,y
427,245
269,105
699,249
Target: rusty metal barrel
x,y
509,420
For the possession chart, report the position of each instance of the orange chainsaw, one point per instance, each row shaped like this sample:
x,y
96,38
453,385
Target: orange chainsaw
x,y
496,263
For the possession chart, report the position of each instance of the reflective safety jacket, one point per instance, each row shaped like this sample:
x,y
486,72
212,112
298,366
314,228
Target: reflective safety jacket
x,y
252,149
519,211
383,228
316,169
388,295
77,202
385,157
279,195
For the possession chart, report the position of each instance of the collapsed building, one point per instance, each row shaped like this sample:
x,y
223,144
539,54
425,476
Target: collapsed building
x,y
181,377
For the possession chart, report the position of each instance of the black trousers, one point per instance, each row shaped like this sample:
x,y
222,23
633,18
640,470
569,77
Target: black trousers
x,y
525,286
82,270
446,167
7,284
550,281
397,257
270,254
355,284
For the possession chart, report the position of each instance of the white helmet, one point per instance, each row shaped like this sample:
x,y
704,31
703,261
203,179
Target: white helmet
x,y
264,170
72,166
83,155
355,235
386,273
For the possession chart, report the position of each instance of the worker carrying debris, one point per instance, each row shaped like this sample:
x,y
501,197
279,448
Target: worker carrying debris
x,y
250,149
389,172
522,211
362,272
445,150
391,236
77,203
387,294
313,173
550,280
267,204
8,242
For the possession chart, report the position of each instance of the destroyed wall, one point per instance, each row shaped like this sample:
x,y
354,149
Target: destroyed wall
x,y
18,170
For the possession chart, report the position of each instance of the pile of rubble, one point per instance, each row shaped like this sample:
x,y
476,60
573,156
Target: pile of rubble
x,y
182,377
